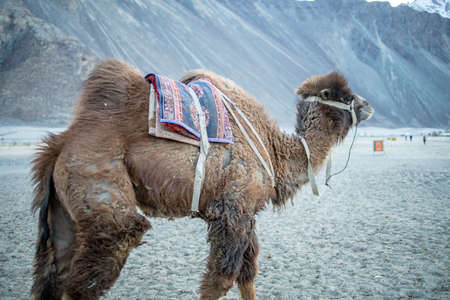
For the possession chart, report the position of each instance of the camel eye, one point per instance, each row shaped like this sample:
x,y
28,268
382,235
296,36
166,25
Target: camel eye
x,y
347,99
325,94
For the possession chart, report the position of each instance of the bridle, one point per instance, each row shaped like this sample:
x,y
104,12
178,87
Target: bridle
x,y
341,105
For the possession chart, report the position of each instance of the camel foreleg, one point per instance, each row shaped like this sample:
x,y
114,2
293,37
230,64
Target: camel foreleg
x,y
249,269
228,236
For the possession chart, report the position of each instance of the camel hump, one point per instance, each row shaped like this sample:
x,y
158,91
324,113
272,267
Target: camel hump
x,y
108,88
222,83
197,74
247,103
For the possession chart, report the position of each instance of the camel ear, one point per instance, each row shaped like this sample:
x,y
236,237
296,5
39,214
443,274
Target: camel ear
x,y
302,92
325,94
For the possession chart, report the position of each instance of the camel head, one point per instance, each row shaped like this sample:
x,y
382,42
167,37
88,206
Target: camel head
x,y
331,88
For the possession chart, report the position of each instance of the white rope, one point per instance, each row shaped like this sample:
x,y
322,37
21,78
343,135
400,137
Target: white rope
x,y
201,162
257,137
312,178
268,169
151,107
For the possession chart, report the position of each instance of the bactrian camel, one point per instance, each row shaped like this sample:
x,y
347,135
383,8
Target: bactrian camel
x,y
91,178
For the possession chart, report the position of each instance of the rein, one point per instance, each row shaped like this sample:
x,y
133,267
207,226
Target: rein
x,y
328,176
349,107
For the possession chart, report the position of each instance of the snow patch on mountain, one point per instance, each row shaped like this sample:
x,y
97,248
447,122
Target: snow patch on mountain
x,y
441,7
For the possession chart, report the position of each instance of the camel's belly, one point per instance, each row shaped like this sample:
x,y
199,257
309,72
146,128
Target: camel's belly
x,y
163,174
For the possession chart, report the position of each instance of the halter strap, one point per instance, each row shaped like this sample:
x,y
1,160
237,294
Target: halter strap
x,y
349,107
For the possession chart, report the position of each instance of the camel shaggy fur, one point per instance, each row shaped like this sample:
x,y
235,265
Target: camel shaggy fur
x,y
91,177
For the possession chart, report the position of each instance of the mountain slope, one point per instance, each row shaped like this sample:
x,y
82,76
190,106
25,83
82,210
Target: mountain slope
x,y
41,68
398,58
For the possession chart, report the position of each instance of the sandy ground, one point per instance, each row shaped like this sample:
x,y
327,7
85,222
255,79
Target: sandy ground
x,y
381,232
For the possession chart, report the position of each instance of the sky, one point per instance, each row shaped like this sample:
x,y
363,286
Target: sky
x,y
393,2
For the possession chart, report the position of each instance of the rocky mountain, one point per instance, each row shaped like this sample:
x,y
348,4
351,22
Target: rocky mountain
x,y
398,58
41,67
441,7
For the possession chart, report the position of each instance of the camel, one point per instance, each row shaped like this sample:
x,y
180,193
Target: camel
x,y
90,179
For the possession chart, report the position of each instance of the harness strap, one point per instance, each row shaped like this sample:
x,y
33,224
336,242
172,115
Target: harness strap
x,y
201,162
151,107
268,169
204,146
312,178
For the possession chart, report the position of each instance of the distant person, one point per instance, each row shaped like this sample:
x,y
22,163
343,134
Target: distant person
x,y
406,137
424,139
410,138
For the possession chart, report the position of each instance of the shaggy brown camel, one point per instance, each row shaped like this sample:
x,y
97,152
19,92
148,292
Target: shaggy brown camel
x,y
90,178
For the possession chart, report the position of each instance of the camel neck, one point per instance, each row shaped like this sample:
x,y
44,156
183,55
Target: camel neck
x,y
320,143
290,160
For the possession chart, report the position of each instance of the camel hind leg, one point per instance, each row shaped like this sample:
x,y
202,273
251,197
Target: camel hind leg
x,y
103,206
45,278
54,253
102,251
98,208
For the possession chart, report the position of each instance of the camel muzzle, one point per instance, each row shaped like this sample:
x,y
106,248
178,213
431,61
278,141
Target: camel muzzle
x,y
364,110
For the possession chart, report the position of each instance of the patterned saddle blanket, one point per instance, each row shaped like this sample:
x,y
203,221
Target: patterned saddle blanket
x,y
173,115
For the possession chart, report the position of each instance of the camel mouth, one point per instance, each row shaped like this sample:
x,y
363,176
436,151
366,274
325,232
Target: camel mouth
x,y
365,111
